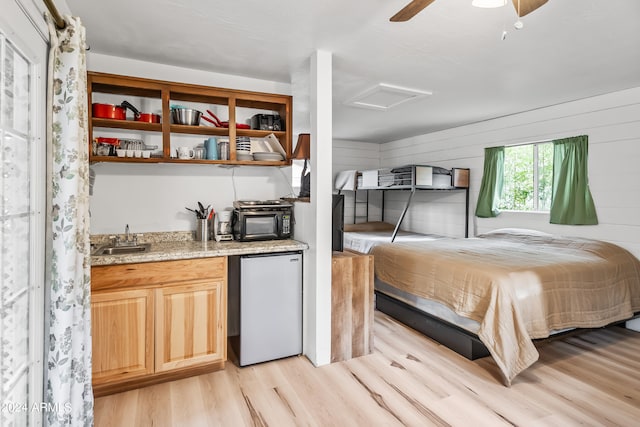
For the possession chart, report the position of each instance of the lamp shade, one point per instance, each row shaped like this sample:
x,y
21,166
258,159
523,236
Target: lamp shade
x,y
488,3
303,147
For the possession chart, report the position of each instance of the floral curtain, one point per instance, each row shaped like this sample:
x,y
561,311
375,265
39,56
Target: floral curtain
x,y
571,201
491,185
68,371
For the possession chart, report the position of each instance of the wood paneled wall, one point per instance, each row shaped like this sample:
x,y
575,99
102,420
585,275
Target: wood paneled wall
x,y
612,122
354,155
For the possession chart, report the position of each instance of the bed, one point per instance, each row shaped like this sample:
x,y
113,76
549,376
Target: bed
x,y
409,178
364,236
508,287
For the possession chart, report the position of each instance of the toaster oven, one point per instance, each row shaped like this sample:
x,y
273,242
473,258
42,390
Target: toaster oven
x,y
262,220
267,122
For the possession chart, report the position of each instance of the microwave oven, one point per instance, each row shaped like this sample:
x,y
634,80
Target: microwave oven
x,y
262,220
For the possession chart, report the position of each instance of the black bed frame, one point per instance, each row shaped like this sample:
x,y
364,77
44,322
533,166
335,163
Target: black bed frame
x,y
461,341
457,339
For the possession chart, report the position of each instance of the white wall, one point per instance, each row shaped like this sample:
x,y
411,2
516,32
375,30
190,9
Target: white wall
x,y
356,155
611,121
152,197
151,70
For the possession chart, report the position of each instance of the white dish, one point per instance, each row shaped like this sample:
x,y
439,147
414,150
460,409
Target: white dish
x,y
270,157
259,146
244,157
274,145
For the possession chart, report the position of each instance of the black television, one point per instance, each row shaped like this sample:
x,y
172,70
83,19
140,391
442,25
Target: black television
x,y
337,223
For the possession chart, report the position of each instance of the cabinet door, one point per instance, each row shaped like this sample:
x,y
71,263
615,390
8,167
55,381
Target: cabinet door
x,y
122,334
191,324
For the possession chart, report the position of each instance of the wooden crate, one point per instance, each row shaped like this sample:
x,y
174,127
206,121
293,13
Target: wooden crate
x,y
352,305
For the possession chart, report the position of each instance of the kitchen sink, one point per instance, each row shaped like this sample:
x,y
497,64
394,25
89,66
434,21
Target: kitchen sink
x,y
123,249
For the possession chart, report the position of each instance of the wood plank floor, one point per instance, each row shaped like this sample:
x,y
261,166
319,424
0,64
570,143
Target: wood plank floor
x,y
587,379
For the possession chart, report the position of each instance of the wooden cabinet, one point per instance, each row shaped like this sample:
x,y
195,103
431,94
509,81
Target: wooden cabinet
x,y
190,325
158,321
156,96
351,305
122,327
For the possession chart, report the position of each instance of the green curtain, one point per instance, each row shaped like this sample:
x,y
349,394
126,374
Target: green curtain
x,y
571,201
491,186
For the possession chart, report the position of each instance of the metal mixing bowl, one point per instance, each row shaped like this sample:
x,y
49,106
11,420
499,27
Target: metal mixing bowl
x,y
186,116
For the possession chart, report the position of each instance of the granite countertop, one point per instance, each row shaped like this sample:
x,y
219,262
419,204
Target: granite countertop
x,y
176,246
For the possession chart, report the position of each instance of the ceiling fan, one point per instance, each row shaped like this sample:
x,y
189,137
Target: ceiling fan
x,y
523,7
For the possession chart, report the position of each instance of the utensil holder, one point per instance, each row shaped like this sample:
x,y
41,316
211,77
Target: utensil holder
x,y
202,230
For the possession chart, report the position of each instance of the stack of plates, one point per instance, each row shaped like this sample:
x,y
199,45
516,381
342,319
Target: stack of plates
x,y
243,148
270,157
243,143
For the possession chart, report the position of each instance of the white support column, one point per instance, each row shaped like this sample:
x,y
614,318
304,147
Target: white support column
x,y
313,220
321,189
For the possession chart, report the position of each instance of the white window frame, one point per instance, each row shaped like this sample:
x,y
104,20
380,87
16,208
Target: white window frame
x,y
22,24
536,178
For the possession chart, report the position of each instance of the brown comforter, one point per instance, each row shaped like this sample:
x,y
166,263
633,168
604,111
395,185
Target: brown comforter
x,y
518,284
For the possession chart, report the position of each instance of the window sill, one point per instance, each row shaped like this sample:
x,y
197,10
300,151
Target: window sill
x,y
525,212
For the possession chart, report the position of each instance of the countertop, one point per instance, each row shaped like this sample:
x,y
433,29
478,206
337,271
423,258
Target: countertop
x,y
187,249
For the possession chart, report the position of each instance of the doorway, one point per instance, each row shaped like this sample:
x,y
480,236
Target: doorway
x,y
23,54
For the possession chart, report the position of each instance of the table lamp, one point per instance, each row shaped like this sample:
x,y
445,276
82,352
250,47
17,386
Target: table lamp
x,y
303,151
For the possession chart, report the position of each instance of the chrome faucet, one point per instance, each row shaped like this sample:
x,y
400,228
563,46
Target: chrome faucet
x,y
127,240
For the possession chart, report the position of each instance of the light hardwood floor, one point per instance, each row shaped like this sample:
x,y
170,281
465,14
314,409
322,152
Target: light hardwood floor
x,y
587,379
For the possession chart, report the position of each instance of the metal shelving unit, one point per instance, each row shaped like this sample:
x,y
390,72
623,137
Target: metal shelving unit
x,y
412,178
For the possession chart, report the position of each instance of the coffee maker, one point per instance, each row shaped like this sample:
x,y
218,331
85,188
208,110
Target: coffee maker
x,y
222,226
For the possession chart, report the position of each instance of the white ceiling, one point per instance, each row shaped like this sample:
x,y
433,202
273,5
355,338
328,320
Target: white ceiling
x,y
567,50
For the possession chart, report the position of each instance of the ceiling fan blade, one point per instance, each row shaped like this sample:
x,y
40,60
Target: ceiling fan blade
x,y
527,6
410,10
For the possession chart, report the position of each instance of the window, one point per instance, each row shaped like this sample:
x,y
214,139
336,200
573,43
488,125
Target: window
x,y
528,177
22,189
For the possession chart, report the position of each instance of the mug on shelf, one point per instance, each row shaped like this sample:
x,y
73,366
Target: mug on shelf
x,y
185,153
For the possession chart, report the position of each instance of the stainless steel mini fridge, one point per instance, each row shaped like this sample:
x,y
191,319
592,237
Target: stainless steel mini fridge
x,y
265,306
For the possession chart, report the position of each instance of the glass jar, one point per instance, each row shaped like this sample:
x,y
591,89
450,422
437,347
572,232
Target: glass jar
x,y
223,148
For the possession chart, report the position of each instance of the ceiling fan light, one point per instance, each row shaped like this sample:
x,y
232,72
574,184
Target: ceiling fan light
x,y
488,3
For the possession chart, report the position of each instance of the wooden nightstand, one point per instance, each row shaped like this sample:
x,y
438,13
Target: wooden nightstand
x,y
351,305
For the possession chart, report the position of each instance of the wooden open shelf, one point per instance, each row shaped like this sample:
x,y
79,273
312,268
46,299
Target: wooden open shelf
x,y
168,93
115,159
